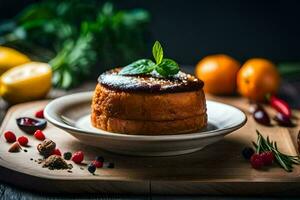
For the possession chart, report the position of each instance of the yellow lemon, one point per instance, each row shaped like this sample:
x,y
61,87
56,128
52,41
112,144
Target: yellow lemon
x,y
26,82
10,58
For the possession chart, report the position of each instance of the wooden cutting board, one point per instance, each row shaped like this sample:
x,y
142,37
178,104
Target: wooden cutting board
x,y
217,169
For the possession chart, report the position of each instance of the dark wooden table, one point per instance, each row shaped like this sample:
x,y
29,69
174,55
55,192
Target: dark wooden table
x,y
290,90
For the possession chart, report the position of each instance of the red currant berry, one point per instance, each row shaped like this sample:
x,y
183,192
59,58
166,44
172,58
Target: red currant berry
x,y
23,141
40,114
256,161
267,157
56,152
10,136
97,163
39,135
78,157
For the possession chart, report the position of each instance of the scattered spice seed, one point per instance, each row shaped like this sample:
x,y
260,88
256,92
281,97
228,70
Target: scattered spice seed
x,y
31,158
25,150
70,171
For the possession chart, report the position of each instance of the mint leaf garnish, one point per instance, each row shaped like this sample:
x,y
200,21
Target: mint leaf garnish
x,y
157,52
164,66
142,66
169,66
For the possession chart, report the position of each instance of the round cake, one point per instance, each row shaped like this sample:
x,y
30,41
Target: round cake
x,y
148,104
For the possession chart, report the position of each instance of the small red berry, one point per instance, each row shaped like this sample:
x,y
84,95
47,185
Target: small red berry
x,y
78,157
40,114
267,157
56,152
256,161
23,141
97,163
10,136
39,135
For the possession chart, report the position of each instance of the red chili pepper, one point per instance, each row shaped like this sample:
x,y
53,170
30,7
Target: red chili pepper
x,y
280,105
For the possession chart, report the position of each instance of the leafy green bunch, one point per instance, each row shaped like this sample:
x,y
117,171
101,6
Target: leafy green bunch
x,y
164,66
78,38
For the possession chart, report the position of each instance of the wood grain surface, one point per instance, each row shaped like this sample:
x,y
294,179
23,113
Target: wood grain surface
x,y
217,169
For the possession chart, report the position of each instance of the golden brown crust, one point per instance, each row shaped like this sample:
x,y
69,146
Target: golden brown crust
x,y
147,106
136,127
148,113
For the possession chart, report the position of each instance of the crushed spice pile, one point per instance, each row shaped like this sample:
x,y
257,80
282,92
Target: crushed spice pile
x,y
56,162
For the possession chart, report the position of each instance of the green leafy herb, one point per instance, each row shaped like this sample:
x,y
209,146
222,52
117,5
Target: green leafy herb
x,y
164,66
169,65
285,161
142,66
70,62
78,38
157,52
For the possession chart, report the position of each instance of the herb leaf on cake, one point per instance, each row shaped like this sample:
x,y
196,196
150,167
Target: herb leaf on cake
x,y
163,66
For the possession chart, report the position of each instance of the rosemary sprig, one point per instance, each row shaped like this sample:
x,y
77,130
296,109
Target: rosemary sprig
x,y
285,161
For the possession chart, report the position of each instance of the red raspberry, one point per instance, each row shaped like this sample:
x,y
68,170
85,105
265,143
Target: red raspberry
x,y
56,152
267,157
256,161
97,163
39,135
40,114
23,141
78,157
10,136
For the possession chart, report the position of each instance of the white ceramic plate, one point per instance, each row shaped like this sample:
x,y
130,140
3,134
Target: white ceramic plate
x,y
72,113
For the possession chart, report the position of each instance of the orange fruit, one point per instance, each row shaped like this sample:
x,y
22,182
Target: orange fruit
x,y
218,72
258,77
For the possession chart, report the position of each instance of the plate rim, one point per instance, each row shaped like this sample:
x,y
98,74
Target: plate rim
x,y
118,136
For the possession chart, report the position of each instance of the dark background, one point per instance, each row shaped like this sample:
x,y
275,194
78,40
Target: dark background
x,y
190,29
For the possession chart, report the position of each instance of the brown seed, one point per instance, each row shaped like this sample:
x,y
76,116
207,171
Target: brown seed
x,y
46,147
15,147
